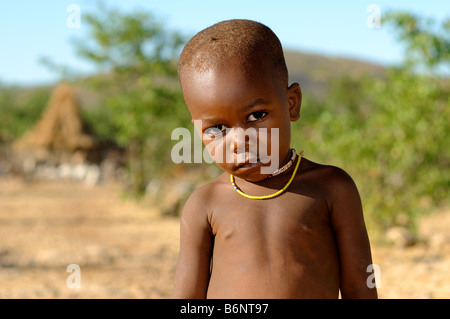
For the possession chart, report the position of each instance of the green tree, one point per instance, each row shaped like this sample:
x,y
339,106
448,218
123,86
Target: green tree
x,y
19,110
391,134
425,45
142,102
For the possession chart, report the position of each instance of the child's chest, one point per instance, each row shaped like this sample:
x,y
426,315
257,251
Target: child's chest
x,y
287,216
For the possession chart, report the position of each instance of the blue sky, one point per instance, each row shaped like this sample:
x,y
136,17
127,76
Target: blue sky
x,y
32,29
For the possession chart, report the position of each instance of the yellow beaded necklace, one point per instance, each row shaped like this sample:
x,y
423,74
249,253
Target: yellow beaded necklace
x,y
236,188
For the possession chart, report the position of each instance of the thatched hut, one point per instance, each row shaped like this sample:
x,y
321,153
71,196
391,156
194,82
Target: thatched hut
x,y
60,143
60,128
60,135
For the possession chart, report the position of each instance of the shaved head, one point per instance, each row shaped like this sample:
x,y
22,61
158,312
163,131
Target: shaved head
x,y
246,44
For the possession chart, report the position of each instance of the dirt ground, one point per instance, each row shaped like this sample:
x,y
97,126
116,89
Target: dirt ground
x,y
125,250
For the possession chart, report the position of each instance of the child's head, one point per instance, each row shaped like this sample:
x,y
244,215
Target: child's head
x,y
241,43
235,81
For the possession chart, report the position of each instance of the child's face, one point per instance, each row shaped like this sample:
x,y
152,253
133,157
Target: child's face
x,y
245,118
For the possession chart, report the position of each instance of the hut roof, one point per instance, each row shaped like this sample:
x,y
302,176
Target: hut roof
x,y
60,127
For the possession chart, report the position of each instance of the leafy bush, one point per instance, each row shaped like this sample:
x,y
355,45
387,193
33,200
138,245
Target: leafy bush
x,y
390,134
141,102
19,110
393,139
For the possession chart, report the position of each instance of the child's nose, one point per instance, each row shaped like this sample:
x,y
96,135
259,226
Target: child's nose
x,y
242,139
234,140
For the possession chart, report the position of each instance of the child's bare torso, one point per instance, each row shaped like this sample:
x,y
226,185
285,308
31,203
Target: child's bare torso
x,y
278,248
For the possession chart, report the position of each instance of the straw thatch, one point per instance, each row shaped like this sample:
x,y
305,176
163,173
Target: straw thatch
x,y
60,128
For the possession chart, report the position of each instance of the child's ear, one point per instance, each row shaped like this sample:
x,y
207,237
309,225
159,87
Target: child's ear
x,y
294,96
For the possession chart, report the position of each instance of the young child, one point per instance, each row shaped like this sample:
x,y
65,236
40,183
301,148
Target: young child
x,y
295,230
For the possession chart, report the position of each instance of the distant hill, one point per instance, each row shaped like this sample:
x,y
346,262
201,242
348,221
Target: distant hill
x,y
315,72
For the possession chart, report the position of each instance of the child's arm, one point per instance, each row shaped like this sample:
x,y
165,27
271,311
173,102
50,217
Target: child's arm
x,y
352,240
196,242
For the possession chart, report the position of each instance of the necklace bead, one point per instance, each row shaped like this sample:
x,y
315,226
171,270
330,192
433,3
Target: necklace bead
x,y
286,166
236,188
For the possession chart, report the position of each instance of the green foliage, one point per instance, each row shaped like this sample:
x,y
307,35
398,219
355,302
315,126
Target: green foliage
x,y
390,134
19,110
142,102
392,137
133,43
425,44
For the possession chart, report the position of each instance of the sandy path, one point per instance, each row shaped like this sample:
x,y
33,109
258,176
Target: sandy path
x,y
125,250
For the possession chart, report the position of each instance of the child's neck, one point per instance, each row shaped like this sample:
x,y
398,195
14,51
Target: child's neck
x,y
286,163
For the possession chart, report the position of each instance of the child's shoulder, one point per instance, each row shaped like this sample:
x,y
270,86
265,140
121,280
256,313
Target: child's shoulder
x,y
206,193
323,170
326,177
336,187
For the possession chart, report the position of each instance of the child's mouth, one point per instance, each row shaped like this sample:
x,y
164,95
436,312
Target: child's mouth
x,y
247,160
248,165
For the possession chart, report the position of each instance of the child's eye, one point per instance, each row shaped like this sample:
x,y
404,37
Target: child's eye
x,y
256,116
215,130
